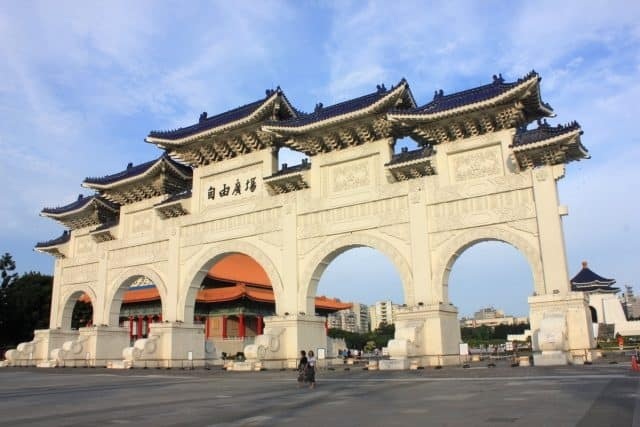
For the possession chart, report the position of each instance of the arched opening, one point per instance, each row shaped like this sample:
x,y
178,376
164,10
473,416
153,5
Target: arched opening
x,y
232,301
594,314
77,311
359,292
141,305
489,283
82,315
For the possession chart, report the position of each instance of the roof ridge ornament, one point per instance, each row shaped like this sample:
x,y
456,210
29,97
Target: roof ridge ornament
x,y
498,79
203,117
318,107
438,94
381,88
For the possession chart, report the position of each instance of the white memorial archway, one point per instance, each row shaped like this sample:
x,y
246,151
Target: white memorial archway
x,y
478,174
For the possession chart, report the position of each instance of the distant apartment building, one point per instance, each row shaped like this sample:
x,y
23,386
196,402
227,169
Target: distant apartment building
x,y
490,316
354,319
630,303
382,312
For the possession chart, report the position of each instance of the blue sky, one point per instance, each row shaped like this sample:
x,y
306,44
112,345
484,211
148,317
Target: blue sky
x,y
82,84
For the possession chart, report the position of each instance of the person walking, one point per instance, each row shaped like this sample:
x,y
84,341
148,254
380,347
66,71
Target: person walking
x,y
302,368
311,370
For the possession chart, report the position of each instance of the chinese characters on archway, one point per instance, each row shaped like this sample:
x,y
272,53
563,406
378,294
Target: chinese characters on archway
x,y
249,186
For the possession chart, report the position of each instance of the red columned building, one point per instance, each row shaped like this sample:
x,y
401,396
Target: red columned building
x,y
232,302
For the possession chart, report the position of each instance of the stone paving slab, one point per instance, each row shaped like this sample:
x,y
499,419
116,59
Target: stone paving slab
x,y
595,395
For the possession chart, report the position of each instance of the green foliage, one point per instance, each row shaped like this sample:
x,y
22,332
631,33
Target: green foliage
x,y
82,315
7,265
26,304
490,335
376,339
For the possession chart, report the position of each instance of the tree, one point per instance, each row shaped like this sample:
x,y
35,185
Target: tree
x,y
7,277
27,307
7,265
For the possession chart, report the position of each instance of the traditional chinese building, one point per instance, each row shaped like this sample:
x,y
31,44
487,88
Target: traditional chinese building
x,y
607,313
234,298
478,172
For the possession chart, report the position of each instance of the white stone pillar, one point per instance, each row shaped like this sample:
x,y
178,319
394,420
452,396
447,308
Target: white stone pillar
x,y
423,287
552,248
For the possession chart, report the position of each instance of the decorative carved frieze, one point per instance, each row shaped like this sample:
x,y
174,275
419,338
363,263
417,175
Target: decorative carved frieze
x,y
492,185
238,225
379,212
80,273
139,254
477,211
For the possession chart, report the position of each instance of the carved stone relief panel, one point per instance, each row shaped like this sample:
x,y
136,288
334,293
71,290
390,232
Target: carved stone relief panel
x,y
353,176
475,164
483,210
80,273
231,186
376,213
235,226
141,222
85,245
140,254
492,185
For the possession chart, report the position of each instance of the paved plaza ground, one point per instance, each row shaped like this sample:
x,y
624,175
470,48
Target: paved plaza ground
x,y
591,395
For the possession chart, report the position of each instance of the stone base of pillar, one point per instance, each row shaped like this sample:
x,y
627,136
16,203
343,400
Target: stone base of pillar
x,y
283,338
428,334
37,351
178,344
561,324
103,343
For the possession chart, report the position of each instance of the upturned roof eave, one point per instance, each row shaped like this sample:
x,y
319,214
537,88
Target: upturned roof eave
x,y
152,169
226,127
371,109
549,141
419,116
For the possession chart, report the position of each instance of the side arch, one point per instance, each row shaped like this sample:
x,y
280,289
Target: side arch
x,y
446,257
338,245
120,285
208,258
69,298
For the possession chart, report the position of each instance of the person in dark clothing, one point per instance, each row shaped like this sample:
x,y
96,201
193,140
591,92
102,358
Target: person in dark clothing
x,y
302,367
311,370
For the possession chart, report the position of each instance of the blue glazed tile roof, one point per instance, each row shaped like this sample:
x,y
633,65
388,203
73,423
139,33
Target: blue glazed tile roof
x,y
442,102
586,277
543,132
64,238
140,169
323,113
221,119
80,203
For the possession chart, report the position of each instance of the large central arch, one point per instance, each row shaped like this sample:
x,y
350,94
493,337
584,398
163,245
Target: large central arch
x,y
208,257
323,256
